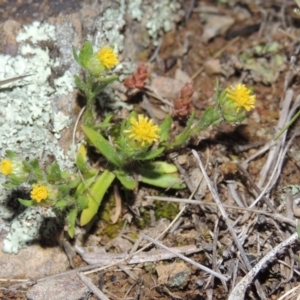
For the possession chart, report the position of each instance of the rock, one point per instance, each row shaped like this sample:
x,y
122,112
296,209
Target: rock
x,y
67,287
33,262
175,275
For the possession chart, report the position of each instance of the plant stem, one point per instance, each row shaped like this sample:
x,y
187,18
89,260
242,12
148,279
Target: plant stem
x,y
287,126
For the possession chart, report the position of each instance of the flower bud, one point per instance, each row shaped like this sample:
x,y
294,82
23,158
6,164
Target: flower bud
x,y
235,101
104,60
13,168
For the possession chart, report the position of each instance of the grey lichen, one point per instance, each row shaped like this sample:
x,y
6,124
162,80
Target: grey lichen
x,y
159,15
110,25
25,228
29,124
27,113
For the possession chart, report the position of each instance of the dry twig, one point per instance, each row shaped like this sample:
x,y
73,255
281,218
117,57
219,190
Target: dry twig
x,y
240,289
109,259
92,287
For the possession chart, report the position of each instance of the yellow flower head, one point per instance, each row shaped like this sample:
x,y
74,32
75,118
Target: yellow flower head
x,y
39,192
241,97
6,167
107,57
143,130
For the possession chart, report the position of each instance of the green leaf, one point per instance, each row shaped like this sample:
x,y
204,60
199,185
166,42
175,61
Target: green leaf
x,y
10,185
64,190
165,127
185,134
106,122
98,87
86,53
54,173
33,167
76,57
81,85
72,220
108,79
82,202
106,149
96,194
149,154
81,164
127,181
61,204
16,180
27,203
83,186
10,154
209,117
162,180
159,167
74,183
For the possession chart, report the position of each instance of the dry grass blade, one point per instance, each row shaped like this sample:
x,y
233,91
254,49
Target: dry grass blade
x,y
274,151
295,291
277,217
220,276
5,81
277,169
240,289
228,222
108,259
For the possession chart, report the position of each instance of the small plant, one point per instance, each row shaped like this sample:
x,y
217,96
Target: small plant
x,y
96,66
133,148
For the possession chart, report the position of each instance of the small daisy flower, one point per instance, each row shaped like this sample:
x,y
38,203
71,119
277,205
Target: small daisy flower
x,y
13,168
39,192
241,96
143,130
44,194
102,61
107,57
6,166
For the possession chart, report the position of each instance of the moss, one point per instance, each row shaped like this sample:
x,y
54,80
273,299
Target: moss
x,y
109,229
166,210
112,230
144,220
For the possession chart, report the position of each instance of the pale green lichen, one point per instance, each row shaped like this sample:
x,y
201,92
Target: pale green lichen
x,y
27,110
25,228
36,33
110,26
30,120
159,15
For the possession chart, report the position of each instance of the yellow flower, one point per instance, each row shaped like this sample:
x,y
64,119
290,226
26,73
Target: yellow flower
x,y
241,97
107,57
39,192
143,130
6,166
13,167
